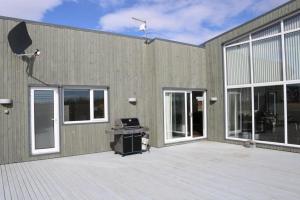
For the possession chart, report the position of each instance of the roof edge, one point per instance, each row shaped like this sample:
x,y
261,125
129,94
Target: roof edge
x,y
70,27
247,22
174,41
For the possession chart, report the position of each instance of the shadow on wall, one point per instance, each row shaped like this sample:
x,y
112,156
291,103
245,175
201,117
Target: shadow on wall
x,y
19,40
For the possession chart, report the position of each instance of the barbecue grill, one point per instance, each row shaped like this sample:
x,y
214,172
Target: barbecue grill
x,y
127,136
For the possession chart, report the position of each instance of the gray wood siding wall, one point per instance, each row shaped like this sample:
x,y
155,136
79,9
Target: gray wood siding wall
x,y
85,58
176,66
215,72
73,57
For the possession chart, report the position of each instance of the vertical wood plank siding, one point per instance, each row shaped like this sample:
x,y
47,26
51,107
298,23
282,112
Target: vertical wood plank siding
x,y
86,58
127,66
72,57
176,66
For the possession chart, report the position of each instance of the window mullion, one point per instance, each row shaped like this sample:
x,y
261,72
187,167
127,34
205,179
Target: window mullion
x,y
92,105
284,86
225,98
252,88
105,105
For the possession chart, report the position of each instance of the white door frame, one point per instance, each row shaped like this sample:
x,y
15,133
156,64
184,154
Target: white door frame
x,y
56,148
186,138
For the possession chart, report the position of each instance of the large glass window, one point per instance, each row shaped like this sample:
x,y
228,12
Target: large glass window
x,y
269,31
239,113
238,64
269,114
266,65
267,62
292,23
84,105
292,54
293,113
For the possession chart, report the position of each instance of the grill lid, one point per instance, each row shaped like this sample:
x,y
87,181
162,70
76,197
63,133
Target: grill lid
x,y
127,123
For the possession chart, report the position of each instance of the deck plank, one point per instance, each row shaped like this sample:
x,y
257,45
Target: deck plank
x,y
15,194
20,183
5,182
37,180
2,192
204,170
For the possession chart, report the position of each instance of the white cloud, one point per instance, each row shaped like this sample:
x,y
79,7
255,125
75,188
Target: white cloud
x,y
266,5
184,20
27,9
110,3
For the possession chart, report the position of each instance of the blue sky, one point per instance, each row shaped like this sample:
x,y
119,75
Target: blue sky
x,y
191,21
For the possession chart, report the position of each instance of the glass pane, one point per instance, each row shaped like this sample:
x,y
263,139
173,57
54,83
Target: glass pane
x,y
99,104
267,60
76,104
293,113
269,114
292,23
267,31
238,64
175,115
188,108
43,119
243,39
198,114
239,113
292,52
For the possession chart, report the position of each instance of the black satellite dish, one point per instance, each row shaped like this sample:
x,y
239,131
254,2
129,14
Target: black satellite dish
x,y
19,39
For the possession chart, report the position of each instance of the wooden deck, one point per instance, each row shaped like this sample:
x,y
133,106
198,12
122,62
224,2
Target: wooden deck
x,y
202,170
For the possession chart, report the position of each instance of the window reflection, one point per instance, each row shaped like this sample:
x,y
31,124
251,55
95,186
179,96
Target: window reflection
x,y
76,104
293,113
239,113
98,104
269,114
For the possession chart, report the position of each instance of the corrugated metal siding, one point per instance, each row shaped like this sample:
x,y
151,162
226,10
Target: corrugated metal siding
x,y
292,23
238,64
267,60
292,54
267,31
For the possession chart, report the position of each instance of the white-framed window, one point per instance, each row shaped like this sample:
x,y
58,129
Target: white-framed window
x,y
85,105
264,66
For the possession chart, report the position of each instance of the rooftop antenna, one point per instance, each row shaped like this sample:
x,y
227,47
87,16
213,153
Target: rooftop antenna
x,y
143,28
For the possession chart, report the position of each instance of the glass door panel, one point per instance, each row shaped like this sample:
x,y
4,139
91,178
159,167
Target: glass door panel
x,y
234,113
44,121
198,114
175,111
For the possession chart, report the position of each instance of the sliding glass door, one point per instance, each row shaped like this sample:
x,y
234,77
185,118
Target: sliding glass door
x,y
184,114
176,120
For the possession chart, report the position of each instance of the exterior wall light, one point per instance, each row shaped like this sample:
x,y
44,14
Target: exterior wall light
x,y
213,99
6,101
132,100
